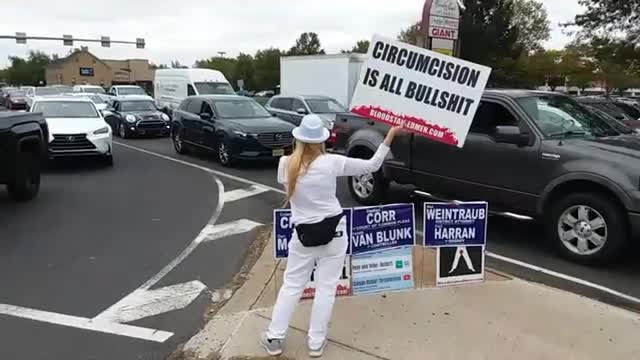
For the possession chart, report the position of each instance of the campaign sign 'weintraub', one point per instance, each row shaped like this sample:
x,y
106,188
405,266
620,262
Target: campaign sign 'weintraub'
x,y
283,232
430,94
382,227
455,224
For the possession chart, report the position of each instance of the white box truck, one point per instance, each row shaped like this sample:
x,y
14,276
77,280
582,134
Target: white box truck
x,y
328,75
174,85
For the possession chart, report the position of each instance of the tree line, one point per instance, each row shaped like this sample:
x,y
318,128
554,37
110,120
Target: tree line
x,y
507,35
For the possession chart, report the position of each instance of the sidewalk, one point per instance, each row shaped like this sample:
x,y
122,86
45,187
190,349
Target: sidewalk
x,y
502,318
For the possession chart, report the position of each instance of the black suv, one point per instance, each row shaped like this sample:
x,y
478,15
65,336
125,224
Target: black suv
x,y
235,127
532,153
23,148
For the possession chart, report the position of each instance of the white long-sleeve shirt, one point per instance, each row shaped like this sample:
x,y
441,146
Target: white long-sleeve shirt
x,y
315,195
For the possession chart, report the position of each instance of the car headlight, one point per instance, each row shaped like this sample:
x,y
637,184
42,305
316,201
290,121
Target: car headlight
x,y
165,117
244,134
130,118
103,130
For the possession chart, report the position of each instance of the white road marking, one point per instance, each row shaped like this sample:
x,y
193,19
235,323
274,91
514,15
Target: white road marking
x,y
145,303
497,256
238,194
86,324
203,168
232,228
565,277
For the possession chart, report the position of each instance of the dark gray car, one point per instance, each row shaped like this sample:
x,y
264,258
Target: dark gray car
x,y
294,108
531,153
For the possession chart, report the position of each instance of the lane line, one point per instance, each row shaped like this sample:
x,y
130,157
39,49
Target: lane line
x,y
86,324
146,303
492,255
239,194
231,228
203,168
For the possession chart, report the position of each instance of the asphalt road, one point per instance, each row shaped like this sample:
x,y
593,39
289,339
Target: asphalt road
x,y
94,235
522,241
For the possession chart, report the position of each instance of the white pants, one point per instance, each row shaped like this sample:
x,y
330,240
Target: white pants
x,y
330,261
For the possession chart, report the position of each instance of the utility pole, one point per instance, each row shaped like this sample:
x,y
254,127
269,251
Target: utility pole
x,y
222,53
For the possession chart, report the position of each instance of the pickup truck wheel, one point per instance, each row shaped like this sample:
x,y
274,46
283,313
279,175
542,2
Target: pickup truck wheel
x,y
26,184
588,228
368,189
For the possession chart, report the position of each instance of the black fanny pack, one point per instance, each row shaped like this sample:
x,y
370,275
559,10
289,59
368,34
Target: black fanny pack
x,y
318,234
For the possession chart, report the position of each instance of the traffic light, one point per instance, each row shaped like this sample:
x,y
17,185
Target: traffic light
x,y
67,40
140,43
105,41
21,38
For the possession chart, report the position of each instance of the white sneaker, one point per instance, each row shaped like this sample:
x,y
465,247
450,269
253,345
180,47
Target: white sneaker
x,y
273,347
316,353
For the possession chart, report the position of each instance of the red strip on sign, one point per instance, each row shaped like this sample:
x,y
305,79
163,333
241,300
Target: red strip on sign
x,y
411,123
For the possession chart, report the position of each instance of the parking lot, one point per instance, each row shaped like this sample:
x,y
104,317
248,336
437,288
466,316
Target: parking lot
x,y
83,264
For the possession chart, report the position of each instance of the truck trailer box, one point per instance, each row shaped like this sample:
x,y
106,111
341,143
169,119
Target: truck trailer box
x,y
329,75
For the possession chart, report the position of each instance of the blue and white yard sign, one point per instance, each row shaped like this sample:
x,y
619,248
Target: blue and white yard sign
x,y
283,232
382,271
455,224
382,227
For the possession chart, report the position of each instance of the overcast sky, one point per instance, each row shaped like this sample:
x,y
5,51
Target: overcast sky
x,y
188,30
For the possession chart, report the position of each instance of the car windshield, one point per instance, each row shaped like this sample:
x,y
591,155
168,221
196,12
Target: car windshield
x,y
131,91
49,91
66,109
97,99
560,116
611,120
214,88
325,106
17,93
138,106
94,90
240,109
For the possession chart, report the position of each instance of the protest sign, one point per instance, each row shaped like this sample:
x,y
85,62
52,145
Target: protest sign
x,y
344,283
459,265
455,224
283,232
430,94
382,271
382,227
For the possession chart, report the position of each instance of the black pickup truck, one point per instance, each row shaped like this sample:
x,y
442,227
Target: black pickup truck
x,y
23,148
531,153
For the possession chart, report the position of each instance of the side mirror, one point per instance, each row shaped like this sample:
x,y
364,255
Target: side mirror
x,y
302,111
510,135
206,116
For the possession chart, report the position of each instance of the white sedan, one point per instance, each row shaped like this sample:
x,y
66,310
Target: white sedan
x,y
76,128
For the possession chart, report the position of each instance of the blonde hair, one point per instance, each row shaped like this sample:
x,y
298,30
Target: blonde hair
x,y
303,155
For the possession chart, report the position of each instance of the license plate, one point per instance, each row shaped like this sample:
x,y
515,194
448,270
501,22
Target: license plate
x,y
278,152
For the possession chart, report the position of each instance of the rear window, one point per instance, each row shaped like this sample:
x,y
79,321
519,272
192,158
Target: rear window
x,y
66,109
131,91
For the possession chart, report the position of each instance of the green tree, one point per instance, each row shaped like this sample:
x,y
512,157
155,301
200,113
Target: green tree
x,y
245,70
411,34
175,64
29,71
267,68
307,44
531,19
361,47
610,16
578,68
616,62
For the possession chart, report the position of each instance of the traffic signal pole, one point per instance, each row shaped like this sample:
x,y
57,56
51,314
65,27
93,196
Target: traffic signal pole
x,y
67,40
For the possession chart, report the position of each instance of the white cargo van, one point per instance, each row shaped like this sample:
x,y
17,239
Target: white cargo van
x,y
334,76
174,85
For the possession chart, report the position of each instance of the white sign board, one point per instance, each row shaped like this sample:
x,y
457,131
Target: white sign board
x,y
444,19
430,94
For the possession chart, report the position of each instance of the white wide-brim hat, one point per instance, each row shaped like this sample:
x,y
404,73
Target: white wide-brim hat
x,y
311,130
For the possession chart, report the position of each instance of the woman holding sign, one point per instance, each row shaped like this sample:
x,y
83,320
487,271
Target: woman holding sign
x,y
320,236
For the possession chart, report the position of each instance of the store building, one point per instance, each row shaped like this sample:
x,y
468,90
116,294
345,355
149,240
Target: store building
x,y
82,67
